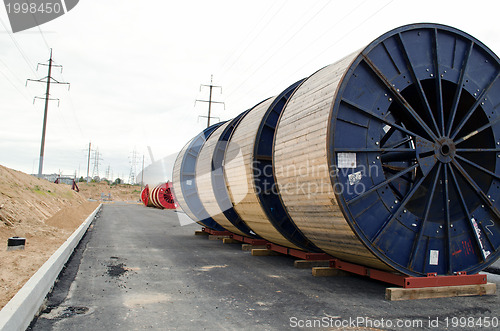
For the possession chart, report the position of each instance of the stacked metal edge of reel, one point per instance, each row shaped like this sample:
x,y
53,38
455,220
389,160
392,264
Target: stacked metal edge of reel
x,y
388,158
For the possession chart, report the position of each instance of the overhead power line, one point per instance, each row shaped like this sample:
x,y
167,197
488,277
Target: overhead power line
x,y
23,54
281,46
261,30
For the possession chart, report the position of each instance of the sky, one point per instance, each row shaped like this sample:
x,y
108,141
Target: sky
x,y
135,69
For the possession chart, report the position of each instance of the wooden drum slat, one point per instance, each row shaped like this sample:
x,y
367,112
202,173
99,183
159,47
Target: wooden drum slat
x,y
176,180
302,170
204,181
239,176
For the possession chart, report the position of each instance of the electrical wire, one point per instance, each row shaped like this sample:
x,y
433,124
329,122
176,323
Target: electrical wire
x,y
12,83
306,47
72,106
319,54
69,95
23,54
254,27
343,37
43,37
255,37
283,44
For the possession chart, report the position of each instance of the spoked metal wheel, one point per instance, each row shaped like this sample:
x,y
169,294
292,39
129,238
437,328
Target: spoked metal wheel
x,y
416,143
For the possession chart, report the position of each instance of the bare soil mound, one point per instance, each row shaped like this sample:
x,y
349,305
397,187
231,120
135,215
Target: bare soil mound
x,y
105,191
25,198
42,212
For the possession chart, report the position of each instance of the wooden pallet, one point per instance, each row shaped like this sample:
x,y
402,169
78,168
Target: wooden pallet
x,y
408,288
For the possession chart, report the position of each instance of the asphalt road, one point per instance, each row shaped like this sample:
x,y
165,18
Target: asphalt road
x,y
138,268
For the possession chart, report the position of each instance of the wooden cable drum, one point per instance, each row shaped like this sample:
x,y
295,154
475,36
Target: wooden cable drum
x,y
263,178
145,197
162,197
169,200
184,180
302,172
154,196
238,174
245,172
204,169
219,185
210,180
176,178
389,158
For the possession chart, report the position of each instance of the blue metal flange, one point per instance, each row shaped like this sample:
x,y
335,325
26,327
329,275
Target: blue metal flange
x,y
263,173
188,182
219,183
417,114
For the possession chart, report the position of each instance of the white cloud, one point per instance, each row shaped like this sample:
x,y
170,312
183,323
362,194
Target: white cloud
x,y
135,67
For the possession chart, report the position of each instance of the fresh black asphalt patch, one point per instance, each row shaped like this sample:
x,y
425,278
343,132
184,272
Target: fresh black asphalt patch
x,y
138,268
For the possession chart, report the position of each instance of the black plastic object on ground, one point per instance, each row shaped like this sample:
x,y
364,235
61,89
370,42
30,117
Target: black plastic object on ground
x,y
14,243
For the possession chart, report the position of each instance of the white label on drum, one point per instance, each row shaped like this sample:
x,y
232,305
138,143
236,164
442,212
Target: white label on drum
x,y
434,257
346,160
189,182
480,239
355,178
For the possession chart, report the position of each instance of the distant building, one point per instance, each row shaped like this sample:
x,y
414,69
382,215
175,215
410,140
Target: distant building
x,y
50,178
65,180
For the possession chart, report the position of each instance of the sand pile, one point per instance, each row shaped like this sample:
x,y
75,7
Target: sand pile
x,y
25,198
44,213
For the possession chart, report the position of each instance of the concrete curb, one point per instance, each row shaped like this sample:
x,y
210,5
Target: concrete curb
x,y
18,313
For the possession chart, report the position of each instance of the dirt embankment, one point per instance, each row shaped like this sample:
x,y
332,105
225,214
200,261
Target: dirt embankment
x,y
100,191
42,212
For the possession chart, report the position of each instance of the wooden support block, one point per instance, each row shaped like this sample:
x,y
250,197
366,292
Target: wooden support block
x,y
328,272
212,237
398,293
248,247
264,252
305,264
230,241
200,233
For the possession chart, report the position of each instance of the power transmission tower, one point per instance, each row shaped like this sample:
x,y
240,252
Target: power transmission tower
x,y
133,164
210,86
47,80
88,163
97,160
108,172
